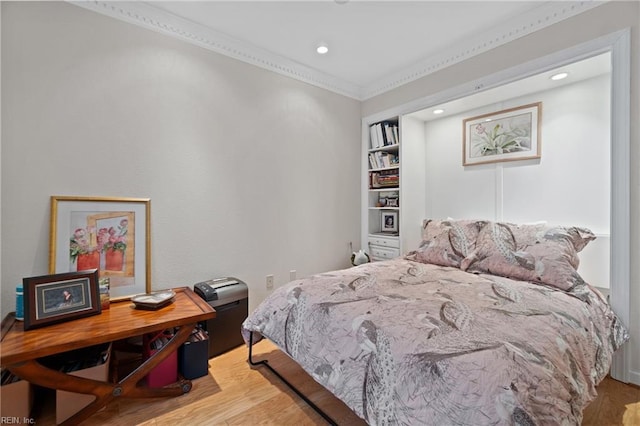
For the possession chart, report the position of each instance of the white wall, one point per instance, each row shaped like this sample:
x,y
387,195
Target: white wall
x,y
569,185
249,173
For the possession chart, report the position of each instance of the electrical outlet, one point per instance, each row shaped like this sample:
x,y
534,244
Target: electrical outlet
x,y
292,275
269,282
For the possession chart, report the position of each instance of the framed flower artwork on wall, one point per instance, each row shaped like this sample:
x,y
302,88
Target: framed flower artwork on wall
x,y
507,135
110,234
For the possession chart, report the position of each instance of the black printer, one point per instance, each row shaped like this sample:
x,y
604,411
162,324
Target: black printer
x,y
230,298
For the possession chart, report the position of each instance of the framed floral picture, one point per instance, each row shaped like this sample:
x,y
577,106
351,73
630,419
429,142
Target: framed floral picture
x,y
50,299
507,135
109,234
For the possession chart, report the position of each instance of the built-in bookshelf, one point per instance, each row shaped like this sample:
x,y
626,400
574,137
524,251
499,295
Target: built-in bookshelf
x,y
393,186
383,175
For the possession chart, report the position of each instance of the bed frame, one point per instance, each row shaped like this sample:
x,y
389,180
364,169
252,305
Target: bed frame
x,y
265,363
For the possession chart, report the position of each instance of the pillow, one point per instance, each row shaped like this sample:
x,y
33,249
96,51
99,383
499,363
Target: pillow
x,y
536,253
446,242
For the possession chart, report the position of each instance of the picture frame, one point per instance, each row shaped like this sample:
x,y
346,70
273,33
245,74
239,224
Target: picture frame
x,y
508,135
50,299
110,234
393,202
389,222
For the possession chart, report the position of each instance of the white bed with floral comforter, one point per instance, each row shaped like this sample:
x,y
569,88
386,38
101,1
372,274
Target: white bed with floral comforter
x,y
408,342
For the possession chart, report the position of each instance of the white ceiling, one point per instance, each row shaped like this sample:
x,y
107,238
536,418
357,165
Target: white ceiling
x,y
374,46
577,71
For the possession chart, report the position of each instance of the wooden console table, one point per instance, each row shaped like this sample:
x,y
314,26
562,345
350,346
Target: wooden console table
x,y
21,349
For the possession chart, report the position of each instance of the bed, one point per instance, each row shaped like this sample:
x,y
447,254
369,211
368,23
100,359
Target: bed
x,y
485,323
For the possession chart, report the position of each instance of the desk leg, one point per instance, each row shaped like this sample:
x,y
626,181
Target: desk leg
x,y
104,392
36,373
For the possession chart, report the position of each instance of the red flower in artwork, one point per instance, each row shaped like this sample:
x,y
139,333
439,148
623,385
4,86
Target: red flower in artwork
x,y
112,238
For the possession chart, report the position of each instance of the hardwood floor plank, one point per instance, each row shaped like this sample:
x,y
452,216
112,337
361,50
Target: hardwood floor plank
x,y
234,394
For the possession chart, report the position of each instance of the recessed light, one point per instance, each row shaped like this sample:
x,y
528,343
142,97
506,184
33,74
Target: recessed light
x,y
560,76
322,49
438,111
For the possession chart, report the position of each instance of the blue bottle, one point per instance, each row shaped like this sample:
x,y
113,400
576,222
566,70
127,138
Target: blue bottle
x,y
19,303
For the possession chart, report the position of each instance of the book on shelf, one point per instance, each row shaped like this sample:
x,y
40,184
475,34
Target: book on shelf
x,y
373,137
380,159
381,137
383,134
390,133
384,179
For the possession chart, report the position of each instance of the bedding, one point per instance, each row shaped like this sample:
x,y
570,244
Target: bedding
x,y
447,242
404,342
539,253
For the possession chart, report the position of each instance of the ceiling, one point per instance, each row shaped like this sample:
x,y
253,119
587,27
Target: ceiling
x,y
577,71
374,46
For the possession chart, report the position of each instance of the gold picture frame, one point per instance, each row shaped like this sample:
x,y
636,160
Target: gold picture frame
x,y
508,135
110,234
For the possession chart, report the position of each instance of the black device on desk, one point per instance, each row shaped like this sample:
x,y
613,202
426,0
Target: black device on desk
x,y
230,298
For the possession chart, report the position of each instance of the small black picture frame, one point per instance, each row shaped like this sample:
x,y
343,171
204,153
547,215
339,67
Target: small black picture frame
x,y
389,222
50,299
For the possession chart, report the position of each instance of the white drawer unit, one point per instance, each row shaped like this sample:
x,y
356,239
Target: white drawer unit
x,y
383,253
375,240
382,247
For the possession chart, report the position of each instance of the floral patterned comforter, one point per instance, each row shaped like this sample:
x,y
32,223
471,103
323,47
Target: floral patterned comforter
x,y
402,342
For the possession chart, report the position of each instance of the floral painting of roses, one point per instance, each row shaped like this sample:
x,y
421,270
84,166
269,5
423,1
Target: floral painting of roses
x,y
107,234
508,135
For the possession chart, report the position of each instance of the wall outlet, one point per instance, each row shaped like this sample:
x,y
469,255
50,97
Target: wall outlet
x,y
269,282
292,275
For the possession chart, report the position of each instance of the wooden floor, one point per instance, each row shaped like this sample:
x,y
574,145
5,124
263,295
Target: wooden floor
x,y
235,394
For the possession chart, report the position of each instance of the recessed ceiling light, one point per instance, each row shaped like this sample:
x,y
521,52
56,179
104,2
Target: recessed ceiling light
x,y
322,49
438,111
559,76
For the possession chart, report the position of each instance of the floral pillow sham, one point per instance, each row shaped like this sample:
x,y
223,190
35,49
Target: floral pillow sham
x,y
536,253
531,252
446,242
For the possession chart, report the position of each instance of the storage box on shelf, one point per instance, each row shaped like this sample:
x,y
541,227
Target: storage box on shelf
x,y
91,363
17,397
193,355
166,372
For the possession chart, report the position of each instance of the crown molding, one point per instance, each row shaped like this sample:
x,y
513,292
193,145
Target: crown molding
x,y
147,16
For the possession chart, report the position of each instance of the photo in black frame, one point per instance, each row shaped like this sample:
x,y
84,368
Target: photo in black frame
x,y
50,299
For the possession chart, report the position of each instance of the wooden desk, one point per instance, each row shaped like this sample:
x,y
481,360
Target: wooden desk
x,y
21,349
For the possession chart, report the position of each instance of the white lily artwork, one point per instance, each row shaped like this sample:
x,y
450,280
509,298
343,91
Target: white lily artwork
x,y
508,135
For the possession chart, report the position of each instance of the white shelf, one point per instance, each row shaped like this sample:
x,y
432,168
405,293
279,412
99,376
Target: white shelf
x,y
393,188
381,245
393,147
396,167
411,188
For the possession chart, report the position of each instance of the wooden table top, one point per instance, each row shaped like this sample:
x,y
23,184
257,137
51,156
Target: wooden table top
x,y
119,322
